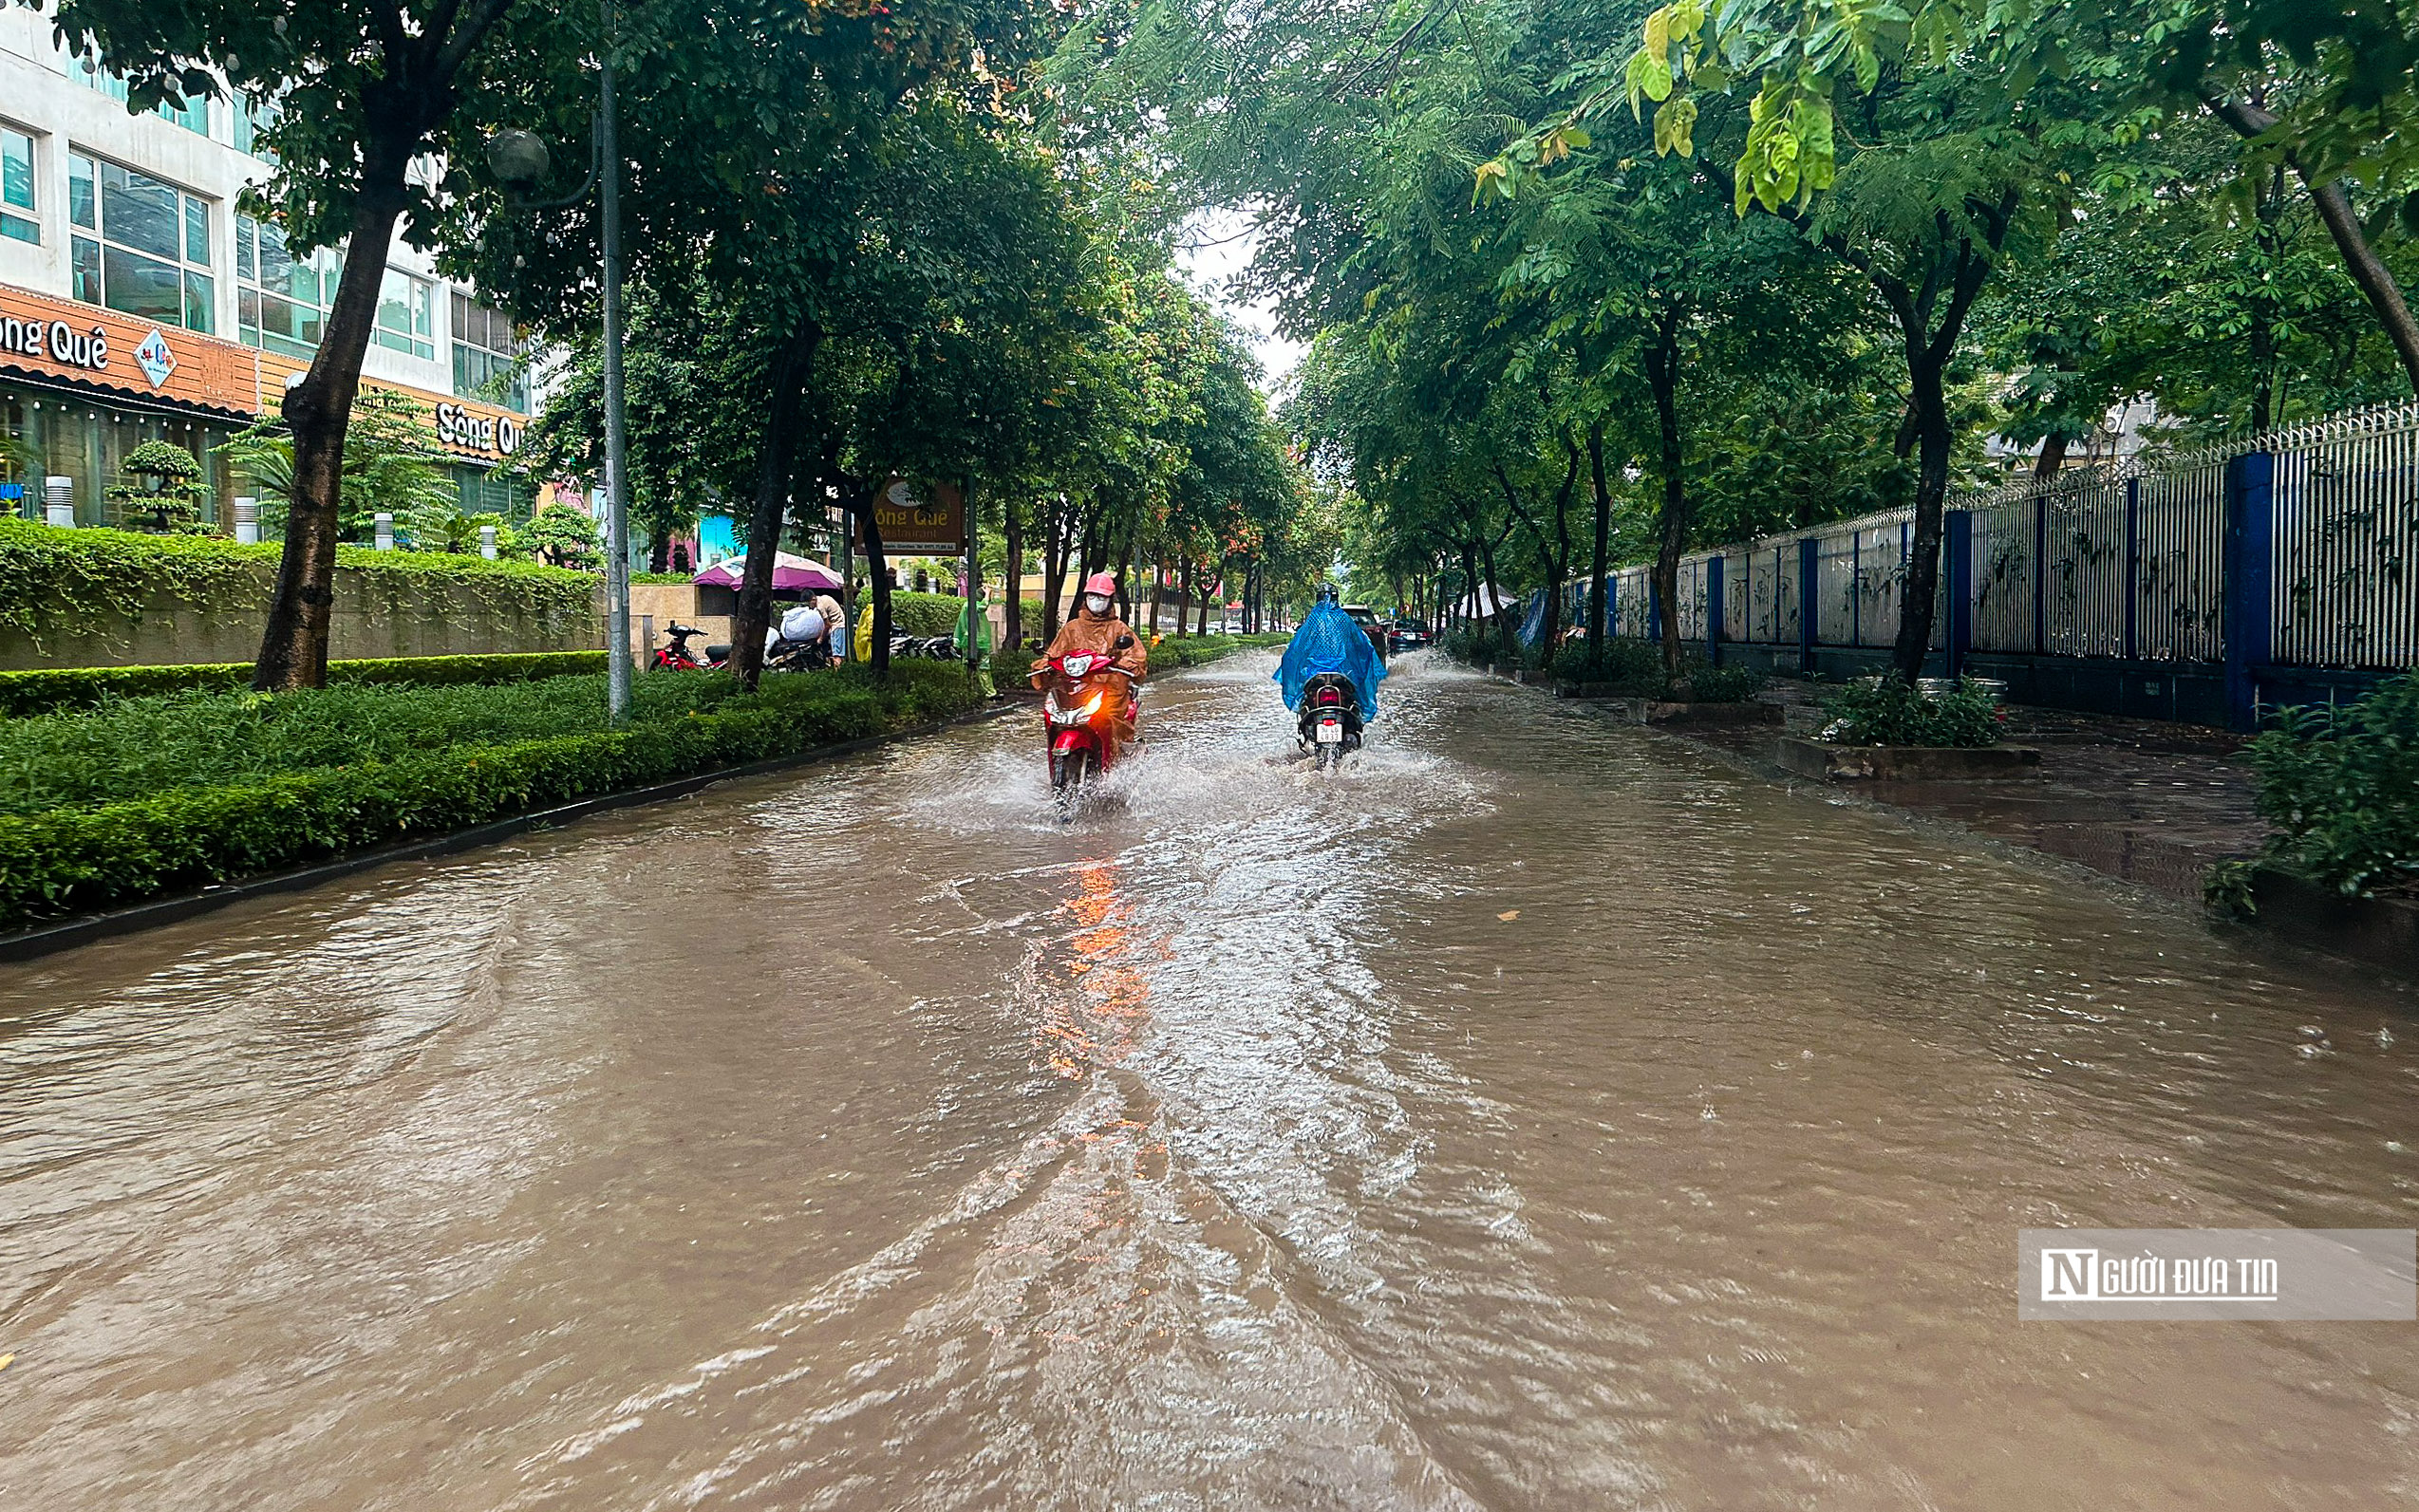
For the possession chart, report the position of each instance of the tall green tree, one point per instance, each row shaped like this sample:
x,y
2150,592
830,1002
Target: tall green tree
x,y
363,91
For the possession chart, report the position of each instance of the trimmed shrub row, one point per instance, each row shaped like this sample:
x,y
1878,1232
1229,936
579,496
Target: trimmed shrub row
x,y
47,689
77,860
54,579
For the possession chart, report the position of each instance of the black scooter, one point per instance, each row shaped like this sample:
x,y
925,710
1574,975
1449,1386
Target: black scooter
x,y
1328,722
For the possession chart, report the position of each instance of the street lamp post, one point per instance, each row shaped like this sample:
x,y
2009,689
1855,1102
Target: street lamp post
x,y
519,158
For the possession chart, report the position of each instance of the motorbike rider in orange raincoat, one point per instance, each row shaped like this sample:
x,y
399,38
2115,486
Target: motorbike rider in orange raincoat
x,y
1094,628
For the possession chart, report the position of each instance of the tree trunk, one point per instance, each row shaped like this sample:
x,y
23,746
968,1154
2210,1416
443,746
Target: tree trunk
x,y
1507,649
1125,578
1662,376
1600,565
293,645
774,476
881,570
1931,491
1158,595
1012,609
1054,565
2052,453
2361,260
1208,587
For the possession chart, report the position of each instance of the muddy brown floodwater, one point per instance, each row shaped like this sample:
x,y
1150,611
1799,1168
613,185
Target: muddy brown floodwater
x,y
1538,1116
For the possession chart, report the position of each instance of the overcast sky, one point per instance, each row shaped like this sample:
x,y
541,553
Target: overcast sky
x,y
1216,246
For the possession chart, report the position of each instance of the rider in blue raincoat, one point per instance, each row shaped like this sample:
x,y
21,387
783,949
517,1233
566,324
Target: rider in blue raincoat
x,y
1330,642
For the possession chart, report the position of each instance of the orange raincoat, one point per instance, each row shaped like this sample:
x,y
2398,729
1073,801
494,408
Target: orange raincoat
x,y
1087,631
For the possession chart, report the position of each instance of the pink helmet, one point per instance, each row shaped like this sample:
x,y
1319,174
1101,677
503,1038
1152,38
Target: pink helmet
x,y
1102,584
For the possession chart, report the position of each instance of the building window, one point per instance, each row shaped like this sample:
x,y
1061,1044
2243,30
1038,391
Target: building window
x,y
253,117
16,187
193,114
281,301
487,358
145,247
408,314
487,491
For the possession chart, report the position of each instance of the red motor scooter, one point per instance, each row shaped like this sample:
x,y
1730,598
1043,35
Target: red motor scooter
x,y
1080,709
677,656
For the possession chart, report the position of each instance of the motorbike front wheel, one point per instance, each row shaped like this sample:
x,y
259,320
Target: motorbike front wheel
x,y
1069,771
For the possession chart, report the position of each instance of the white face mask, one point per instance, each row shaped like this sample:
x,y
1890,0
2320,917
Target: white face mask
x,y
1096,602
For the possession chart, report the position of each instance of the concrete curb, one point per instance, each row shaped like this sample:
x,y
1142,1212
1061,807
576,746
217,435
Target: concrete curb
x,y
44,939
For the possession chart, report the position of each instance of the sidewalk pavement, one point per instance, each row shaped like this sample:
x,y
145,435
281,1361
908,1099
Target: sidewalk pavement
x,y
2150,802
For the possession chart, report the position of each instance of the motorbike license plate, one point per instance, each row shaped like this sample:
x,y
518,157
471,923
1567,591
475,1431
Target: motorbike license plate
x,y
1330,733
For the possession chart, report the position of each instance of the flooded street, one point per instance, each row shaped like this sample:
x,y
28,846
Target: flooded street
x,y
1541,1115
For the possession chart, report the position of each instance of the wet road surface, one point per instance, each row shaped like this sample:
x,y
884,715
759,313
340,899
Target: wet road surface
x,y
1538,1116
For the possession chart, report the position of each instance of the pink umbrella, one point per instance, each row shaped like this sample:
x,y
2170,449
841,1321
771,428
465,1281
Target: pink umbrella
x,y
790,574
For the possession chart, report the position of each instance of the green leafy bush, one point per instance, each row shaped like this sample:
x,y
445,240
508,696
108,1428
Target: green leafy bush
x,y
63,860
55,582
2342,788
1725,684
51,689
1889,711
1631,666
925,613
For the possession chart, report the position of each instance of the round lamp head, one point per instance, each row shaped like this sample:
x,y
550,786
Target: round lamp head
x,y
518,156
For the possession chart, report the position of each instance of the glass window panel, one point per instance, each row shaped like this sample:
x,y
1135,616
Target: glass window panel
x,y
248,314
247,247
197,232
85,272
139,210
406,314
19,229
142,287
201,304
289,328
16,169
80,197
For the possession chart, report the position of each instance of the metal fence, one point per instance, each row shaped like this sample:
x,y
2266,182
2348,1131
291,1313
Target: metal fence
x,y
2126,562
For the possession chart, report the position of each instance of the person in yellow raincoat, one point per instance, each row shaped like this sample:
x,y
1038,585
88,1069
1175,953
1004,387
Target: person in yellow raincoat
x,y
1094,627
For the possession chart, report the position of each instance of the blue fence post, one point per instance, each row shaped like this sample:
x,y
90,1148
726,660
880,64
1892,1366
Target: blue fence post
x,y
1654,608
1957,544
2250,571
1856,588
2041,575
2132,567
1808,612
1714,609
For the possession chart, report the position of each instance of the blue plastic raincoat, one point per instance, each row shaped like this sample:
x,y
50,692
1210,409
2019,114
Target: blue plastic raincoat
x,y
1330,642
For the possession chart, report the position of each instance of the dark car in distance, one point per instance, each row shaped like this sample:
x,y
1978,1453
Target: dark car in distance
x,y
1406,635
1370,625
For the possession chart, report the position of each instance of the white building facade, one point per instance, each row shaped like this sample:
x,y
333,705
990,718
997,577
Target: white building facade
x,y
138,302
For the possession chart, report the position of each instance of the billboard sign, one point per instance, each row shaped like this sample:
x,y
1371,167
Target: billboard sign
x,y
919,522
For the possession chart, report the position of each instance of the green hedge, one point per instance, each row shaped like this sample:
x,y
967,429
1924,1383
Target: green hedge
x,y
74,860
2342,787
54,579
75,687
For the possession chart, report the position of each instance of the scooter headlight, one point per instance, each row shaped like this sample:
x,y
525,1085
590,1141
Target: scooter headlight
x,y
1094,707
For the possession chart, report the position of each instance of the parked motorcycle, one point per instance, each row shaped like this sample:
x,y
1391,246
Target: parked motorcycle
x,y
677,656
1079,711
1329,721
800,643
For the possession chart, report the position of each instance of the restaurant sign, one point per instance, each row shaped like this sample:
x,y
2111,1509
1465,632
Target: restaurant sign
x,y
919,522
42,337
490,433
